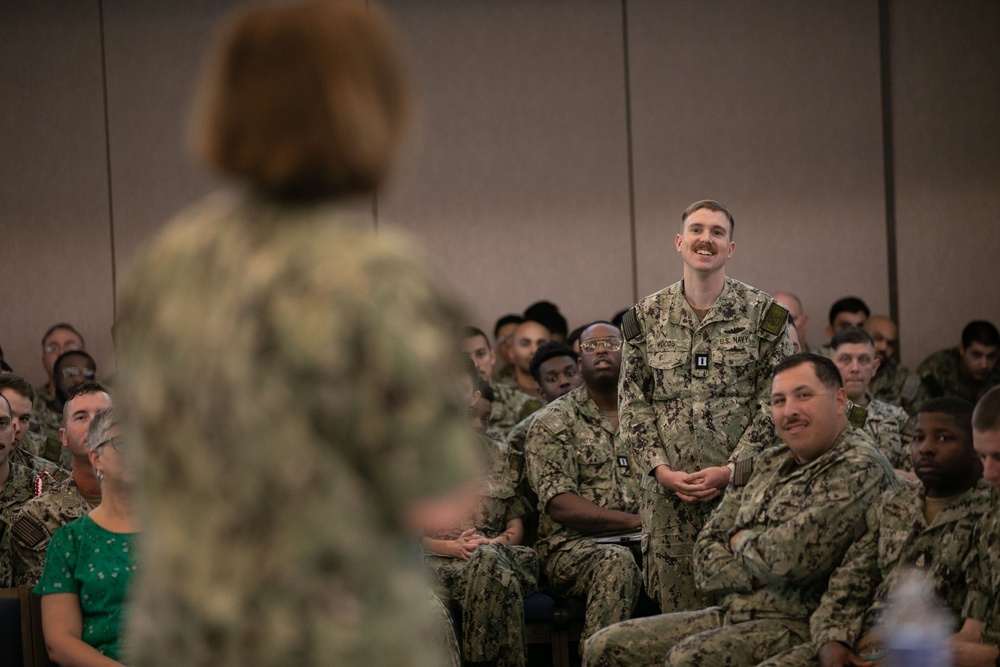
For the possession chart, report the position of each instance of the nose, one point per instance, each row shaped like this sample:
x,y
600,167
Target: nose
x,y
991,472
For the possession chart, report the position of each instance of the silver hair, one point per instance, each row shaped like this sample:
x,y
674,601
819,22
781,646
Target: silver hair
x,y
102,422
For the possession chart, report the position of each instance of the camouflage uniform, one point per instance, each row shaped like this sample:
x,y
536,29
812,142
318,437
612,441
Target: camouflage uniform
x,y
897,537
793,523
44,442
39,464
293,383
983,604
573,448
35,523
43,437
15,493
516,439
939,376
694,395
491,585
897,385
887,425
511,406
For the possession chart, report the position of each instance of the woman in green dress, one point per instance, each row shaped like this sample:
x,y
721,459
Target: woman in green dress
x,y
90,560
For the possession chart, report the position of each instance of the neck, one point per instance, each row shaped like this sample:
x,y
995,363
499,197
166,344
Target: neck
x,y
4,473
702,289
115,511
605,398
861,400
84,478
526,383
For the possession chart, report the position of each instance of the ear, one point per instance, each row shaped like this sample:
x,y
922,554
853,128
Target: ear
x,y
841,397
878,362
677,242
94,456
829,331
62,437
732,248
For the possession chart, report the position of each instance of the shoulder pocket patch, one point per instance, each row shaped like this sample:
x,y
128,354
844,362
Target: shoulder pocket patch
x,y
774,319
630,325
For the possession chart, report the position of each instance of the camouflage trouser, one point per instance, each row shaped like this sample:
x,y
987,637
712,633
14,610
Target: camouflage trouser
x,y
446,631
606,575
669,529
696,638
803,654
490,588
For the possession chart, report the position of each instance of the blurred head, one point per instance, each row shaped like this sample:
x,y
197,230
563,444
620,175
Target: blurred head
x,y
71,369
305,100
20,396
942,452
107,451
979,350
58,339
986,434
503,337
795,312
528,337
793,335
847,312
548,314
853,352
6,431
808,404
556,369
477,346
884,335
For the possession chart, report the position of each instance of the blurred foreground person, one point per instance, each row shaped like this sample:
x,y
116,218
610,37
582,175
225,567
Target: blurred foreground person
x,y
291,379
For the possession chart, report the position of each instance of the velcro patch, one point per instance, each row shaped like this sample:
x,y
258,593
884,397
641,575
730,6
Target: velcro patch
x,y
857,416
741,472
910,387
774,319
630,325
551,422
28,531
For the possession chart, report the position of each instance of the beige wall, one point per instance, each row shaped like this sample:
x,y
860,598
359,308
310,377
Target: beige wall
x,y
558,143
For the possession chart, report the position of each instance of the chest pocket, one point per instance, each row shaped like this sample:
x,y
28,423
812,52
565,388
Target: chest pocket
x,y
596,465
736,366
670,370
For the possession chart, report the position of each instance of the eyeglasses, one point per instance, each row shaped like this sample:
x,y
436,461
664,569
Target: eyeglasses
x,y
610,344
117,442
73,371
55,347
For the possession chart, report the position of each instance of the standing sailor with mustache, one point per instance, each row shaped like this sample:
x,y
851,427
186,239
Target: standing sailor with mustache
x,y
694,396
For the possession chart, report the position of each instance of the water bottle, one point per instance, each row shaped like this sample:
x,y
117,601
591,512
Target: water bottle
x,y
916,626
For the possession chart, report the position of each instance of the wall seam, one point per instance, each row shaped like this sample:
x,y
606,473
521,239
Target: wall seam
x,y
107,164
629,156
888,165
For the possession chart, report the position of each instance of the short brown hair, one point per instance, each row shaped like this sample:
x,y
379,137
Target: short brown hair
x,y
711,205
305,101
986,416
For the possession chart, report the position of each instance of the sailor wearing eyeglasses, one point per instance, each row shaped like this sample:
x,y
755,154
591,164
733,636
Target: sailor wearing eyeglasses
x,y
587,487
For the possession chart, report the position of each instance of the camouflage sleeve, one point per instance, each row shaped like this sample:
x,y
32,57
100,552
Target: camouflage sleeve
x,y
549,459
29,539
979,601
851,587
814,535
716,570
637,420
774,348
